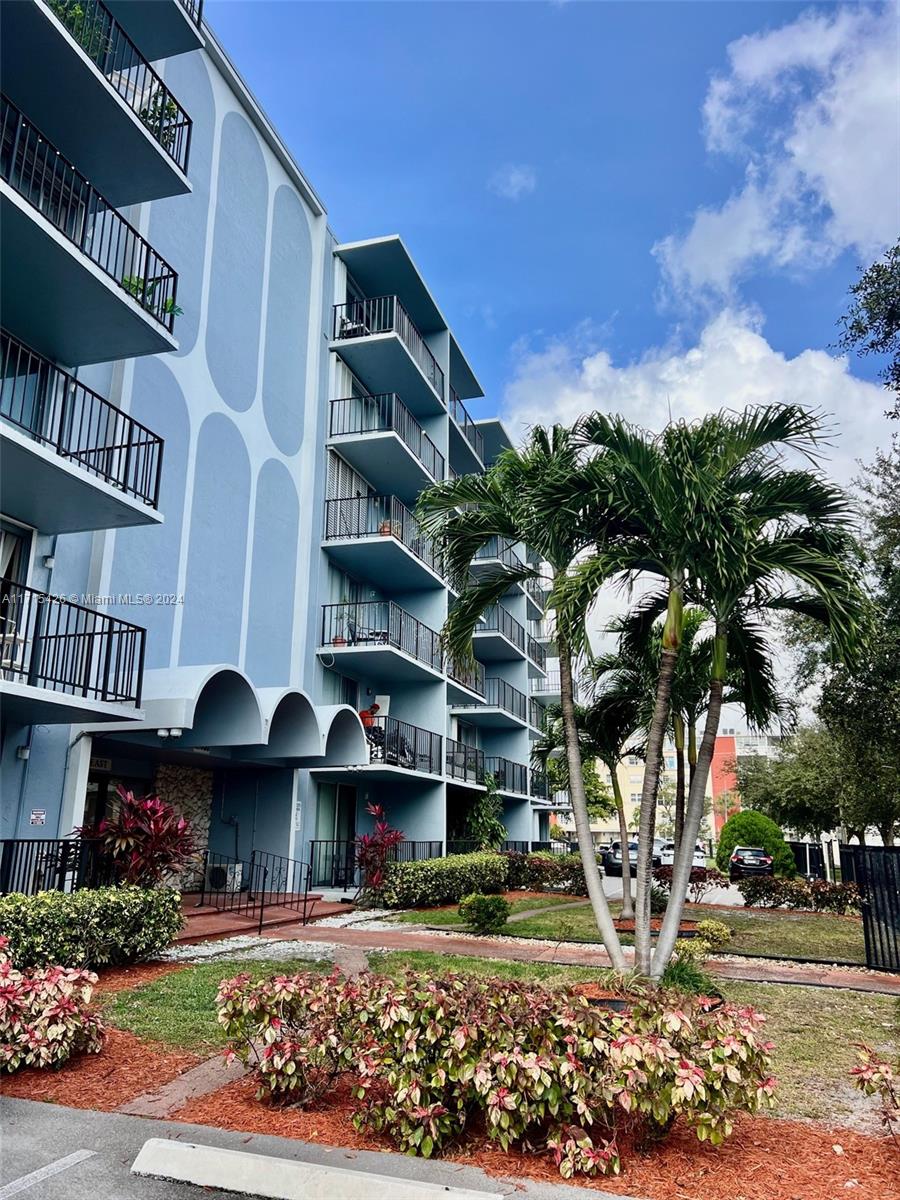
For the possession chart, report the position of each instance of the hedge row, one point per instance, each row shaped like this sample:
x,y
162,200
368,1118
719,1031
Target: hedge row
x,y
95,927
448,880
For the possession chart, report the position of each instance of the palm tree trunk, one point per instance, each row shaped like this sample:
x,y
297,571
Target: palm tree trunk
x,y
599,903
627,902
681,873
678,726
647,826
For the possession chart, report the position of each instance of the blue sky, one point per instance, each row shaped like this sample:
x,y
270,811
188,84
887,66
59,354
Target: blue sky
x,y
625,204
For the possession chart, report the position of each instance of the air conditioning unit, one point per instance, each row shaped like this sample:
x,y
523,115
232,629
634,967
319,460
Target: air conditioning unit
x,y
224,877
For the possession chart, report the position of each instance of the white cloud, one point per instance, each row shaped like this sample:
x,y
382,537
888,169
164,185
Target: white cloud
x,y
512,181
730,366
811,109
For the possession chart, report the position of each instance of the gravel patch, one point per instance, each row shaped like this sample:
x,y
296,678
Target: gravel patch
x,y
249,947
369,917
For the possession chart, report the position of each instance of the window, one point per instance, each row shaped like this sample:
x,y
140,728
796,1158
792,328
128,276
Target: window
x,y
635,797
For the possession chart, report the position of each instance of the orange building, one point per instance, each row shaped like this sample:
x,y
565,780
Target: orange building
x,y
725,799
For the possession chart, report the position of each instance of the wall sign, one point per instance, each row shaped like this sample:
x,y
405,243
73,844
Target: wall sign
x,y
38,816
101,764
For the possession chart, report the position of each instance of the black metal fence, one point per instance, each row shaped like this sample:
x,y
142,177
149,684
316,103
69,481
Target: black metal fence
x,y
385,413
385,314
110,48
34,168
380,516
810,859
498,620
381,623
31,865
56,410
52,643
464,762
508,776
877,875
249,887
399,744
467,426
333,863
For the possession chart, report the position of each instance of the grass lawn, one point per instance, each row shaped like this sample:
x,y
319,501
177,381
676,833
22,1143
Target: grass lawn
x,y
449,916
813,1028
179,1009
768,934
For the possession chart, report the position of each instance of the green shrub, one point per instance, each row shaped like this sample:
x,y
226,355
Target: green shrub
x,y
485,914
443,880
685,975
751,828
715,933
530,1066
767,891
659,900
95,927
546,872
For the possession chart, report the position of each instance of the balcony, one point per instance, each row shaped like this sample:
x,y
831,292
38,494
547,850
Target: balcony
x,y
503,707
62,663
538,786
380,437
378,639
548,689
537,656
465,764
79,283
394,746
379,538
499,636
495,554
537,717
466,439
161,29
70,460
95,97
465,683
511,778
378,341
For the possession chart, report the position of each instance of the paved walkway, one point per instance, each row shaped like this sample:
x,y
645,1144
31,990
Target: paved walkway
x,y
582,955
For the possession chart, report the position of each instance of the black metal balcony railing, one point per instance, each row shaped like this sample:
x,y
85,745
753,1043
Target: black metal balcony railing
x,y
385,314
51,643
380,623
470,430
56,410
498,620
194,9
508,776
538,786
537,714
536,652
504,553
534,588
110,48
382,414
550,686
498,693
464,762
380,516
399,744
469,675
39,173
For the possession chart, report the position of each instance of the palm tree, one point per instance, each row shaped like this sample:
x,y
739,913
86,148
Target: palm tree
x,y
711,509
546,498
607,729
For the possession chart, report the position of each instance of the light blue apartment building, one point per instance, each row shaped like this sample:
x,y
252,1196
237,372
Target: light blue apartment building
x,y
216,419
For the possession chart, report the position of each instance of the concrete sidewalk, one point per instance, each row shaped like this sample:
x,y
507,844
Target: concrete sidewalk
x,y
92,1152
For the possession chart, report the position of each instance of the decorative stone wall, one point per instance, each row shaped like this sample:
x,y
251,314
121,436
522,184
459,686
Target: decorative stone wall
x,y
190,792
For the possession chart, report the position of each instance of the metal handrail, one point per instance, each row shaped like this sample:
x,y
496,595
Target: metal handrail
x,y
498,620
386,314
109,47
380,516
49,642
380,623
58,411
464,762
382,413
50,183
399,744
508,776
467,426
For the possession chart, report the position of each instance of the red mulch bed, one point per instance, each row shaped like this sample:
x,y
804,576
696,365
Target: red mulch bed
x,y
120,979
126,1067
655,926
765,1159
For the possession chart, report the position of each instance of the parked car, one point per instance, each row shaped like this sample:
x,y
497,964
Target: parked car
x,y
667,855
749,860
613,857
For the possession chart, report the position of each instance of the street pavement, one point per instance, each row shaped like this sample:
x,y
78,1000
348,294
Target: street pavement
x,y
727,896
91,1154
